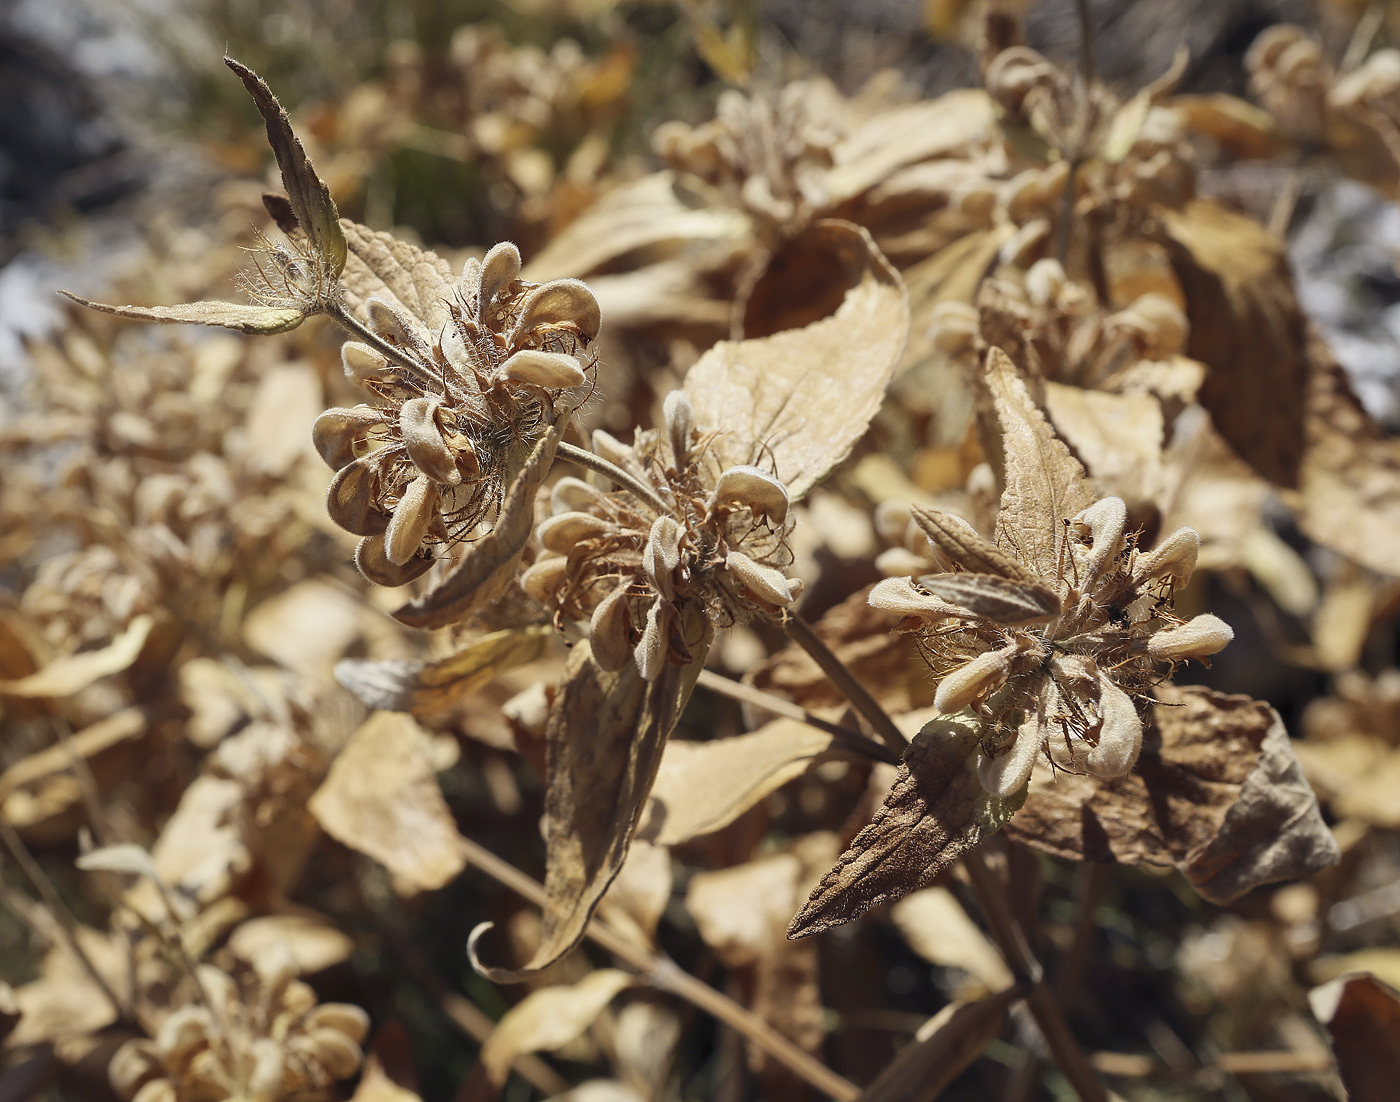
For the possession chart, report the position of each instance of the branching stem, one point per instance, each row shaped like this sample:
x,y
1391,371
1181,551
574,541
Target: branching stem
x,y
585,458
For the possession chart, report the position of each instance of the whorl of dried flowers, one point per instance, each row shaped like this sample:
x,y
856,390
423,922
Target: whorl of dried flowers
x,y
703,536
1052,663
452,413
261,1041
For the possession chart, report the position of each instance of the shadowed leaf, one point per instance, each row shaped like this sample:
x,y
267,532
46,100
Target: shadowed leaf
x,y
1362,1016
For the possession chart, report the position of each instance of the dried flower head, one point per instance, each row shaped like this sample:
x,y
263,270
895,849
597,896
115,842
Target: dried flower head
x,y
454,410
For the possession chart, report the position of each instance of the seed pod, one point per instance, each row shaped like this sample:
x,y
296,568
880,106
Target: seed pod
x,y
557,304
1103,523
345,1017
662,555
372,561
1204,635
499,269
1174,559
571,494
1007,773
363,365
650,652
610,630
562,533
753,487
680,423
351,498
764,582
551,370
422,436
338,432
409,524
541,579
975,681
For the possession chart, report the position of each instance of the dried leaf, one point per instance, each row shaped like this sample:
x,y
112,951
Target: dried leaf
x,y
805,396
549,1019
936,811
741,911
936,927
1216,792
1045,485
703,786
605,735
1118,437
64,1001
382,798
75,672
126,858
310,199
58,758
253,320
412,280
489,566
422,688
312,941
1247,328
1000,600
941,1050
637,897
959,542
1362,1016
305,628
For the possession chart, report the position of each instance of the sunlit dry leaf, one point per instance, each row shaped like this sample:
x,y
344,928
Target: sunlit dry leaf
x,y
1237,127
605,736
549,1018
287,399
941,1050
936,811
1246,327
413,280
936,927
635,900
1044,483
1117,436
201,848
305,628
1216,792
376,1085
126,858
75,672
806,395
489,565
599,1090
382,798
410,685
1362,1016
1001,600
703,786
741,911
312,941
65,1002
253,320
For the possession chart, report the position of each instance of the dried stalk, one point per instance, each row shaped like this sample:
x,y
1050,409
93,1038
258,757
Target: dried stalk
x,y
665,975
585,458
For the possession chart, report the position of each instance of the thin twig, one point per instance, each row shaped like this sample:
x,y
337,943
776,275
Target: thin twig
x,y
585,458
1088,64
858,741
801,633
664,974
380,345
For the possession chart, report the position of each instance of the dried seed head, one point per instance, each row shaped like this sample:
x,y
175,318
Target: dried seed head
x,y
1199,637
1006,773
560,304
423,438
340,434
662,555
364,366
542,577
562,533
975,681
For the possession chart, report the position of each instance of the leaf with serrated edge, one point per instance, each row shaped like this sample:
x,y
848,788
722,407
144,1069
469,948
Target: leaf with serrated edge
x,y
703,786
309,197
1216,792
803,397
253,320
605,736
417,281
936,811
958,542
424,687
1045,485
997,599
489,565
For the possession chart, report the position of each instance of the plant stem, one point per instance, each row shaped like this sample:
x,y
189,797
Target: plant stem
x,y
585,458
801,633
380,345
665,975
857,741
1040,1001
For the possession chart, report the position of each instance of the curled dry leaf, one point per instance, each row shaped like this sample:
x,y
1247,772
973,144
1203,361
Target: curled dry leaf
x,y
549,1019
75,672
806,395
703,786
422,688
605,736
936,811
382,799
312,941
1217,793
1362,1016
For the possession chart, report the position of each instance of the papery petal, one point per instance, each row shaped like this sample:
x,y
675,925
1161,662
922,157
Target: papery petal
x,y
1120,733
564,532
610,630
409,524
1204,635
351,498
1006,774
975,681
901,597
337,431
1104,522
374,564
1174,558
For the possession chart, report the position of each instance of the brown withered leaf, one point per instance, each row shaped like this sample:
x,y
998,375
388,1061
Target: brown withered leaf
x,y
941,1050
805,396
1362,1016
382,799
74,672
936,811
309,197
253,320
1045,485
966,547
605,736
1247,328
489,566
1349,499
1000,600
638,895
703,786
411,685
414,280
1118,437
549,1019
1216,792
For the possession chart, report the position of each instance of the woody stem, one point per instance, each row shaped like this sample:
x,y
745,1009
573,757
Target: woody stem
x,y
801,633
585,458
